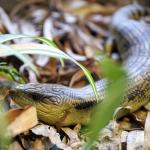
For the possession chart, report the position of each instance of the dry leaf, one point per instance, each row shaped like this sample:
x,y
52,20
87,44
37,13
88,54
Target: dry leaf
x,y
75,56
89,51
24,27
147,132
109,45
21,120
38,145
8,24
52,67
23,4
92,8
135,140
74,141
77,128
147,106
15,146
140,115
123,140
48,28
52,134
124,135
76,77
29,72
125,124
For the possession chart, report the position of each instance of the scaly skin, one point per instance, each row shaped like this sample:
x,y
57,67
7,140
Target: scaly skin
x,y
63,106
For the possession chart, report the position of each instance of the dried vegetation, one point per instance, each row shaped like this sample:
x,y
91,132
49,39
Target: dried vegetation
x,y
81,29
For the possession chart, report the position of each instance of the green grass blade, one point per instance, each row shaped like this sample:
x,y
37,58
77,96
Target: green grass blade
x,y
117,85
20,56
8,37
50,43
60,54
11,73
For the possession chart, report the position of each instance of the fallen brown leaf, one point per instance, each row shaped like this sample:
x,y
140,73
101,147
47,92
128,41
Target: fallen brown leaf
x,y
38,145
76,77
125,124
147,106
140,115
75,56
20,5
15,146
52,134
92,8
8,24
147,132
21,120
74,141
77,128
26,71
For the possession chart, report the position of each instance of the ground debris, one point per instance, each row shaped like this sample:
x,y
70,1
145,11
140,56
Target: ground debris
x,y
21,120
52,134
81,29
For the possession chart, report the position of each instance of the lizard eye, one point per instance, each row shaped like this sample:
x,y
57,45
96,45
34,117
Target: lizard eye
x,y
36,96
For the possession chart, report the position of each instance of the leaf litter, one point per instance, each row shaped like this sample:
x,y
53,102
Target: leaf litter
x,y
81,29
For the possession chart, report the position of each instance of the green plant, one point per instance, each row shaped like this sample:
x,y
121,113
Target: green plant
x,y
115,91
5,139
11,73
51,50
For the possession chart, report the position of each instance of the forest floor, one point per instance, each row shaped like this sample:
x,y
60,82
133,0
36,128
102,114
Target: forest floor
x,y
81,29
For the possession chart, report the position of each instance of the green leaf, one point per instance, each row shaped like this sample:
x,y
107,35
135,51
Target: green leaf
x,y
52,51
50,43
8,37
5,140
47,41
115,91
11,73
20,56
